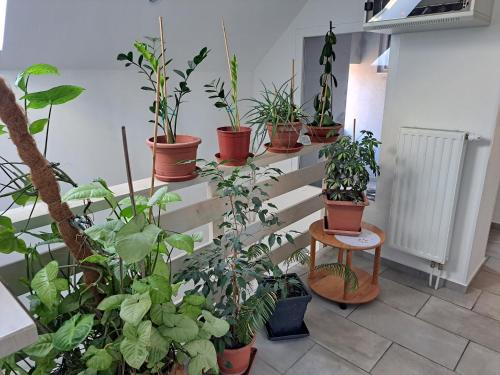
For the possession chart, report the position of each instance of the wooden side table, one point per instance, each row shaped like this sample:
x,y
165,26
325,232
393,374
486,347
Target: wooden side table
x,y
334,288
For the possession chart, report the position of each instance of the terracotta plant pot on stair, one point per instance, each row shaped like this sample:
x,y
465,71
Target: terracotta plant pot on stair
x,y
171,158
344,217
324,134
284,137
235,361
234,146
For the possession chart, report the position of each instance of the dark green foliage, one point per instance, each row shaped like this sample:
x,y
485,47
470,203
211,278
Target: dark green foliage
x,y
323,101
346,168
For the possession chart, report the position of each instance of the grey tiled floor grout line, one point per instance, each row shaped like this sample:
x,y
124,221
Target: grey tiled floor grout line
x,y
423,305
382,356
461,356
476,301
302,356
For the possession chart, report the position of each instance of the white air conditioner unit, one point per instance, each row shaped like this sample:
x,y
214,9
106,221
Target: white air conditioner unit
x,y
405,16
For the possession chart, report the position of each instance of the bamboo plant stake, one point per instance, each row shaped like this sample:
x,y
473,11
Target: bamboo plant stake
x,y
292,91
226,45
155,140
168,131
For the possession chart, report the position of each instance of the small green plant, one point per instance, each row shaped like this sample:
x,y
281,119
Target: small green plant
x,y
323,102
346,174
227,268
216,91
149,60
275,107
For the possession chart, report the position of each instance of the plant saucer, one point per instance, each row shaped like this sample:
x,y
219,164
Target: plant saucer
x,y
233,163
302,332
336,231
281,150
188,177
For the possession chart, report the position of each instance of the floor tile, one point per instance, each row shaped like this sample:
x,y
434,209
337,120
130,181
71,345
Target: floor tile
x,y
488,304
487,281
423,338
281,355
493,249
478,360
492,265
345,338
466,300
401,297
494,236
260,367
319,361
399,360
463,322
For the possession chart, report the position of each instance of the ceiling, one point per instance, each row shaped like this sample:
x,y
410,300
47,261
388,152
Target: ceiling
x,y
88,34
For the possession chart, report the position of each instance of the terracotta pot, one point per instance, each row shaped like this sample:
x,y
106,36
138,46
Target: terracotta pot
x,y
285,135
234,146
344,217
235,361
169,158
177,370
318,134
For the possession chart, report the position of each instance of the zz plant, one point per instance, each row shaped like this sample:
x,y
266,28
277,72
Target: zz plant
x,y
148,60
226,269
346,171
323,101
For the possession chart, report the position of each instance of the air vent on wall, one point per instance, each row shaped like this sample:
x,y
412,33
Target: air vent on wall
x,y
402,16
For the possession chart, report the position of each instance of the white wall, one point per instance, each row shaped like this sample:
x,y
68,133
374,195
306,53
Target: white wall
x,y
496,212
442,80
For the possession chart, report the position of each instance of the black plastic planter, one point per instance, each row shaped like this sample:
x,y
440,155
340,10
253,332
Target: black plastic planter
x,y
287,321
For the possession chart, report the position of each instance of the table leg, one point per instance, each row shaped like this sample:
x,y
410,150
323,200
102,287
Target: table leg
x,y
340,258
376,266
312,263
348,262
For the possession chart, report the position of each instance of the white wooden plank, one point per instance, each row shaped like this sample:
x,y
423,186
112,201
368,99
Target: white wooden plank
x,y
17,329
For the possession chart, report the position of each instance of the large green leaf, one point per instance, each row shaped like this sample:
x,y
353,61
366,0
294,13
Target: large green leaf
x,y
37,69
127,211
159,311
179,328
181,241
88,191
97,359
158,348
9,242
136,239
112,302
54,96
41,348
162,197
158,287
73,332
215,326
135,307
134,346
203,357
43,284
38,125
105,233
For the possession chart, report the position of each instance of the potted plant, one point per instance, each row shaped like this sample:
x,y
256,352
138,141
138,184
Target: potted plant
x,y
176,153
323,129
275,115
234,140
111,309
346,180
229,266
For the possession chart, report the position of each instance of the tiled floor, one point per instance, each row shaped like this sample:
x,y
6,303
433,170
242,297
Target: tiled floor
x,y
411,329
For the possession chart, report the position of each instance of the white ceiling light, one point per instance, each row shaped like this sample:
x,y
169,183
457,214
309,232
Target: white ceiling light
x,y
3,13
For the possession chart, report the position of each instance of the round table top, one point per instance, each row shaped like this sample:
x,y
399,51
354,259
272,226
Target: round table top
x,y
317,232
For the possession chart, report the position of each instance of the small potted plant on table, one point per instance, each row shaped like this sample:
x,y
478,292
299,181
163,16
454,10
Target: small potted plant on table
x,y
346,180
234,140
176,153
275,115
228,267
323,129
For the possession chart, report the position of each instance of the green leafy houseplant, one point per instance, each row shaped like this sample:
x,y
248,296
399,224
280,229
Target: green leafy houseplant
x,y
148,60
226,269
347,176
124,320
323,129
276,115
172,150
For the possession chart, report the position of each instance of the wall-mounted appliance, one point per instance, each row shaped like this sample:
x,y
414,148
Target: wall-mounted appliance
x,y
404,16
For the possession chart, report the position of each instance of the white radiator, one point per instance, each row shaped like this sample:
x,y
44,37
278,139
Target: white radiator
x,y
425,192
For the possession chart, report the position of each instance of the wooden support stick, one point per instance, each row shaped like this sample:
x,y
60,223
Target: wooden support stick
x,y
227,50
354,131
168,133
128,169
292,89
155,140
